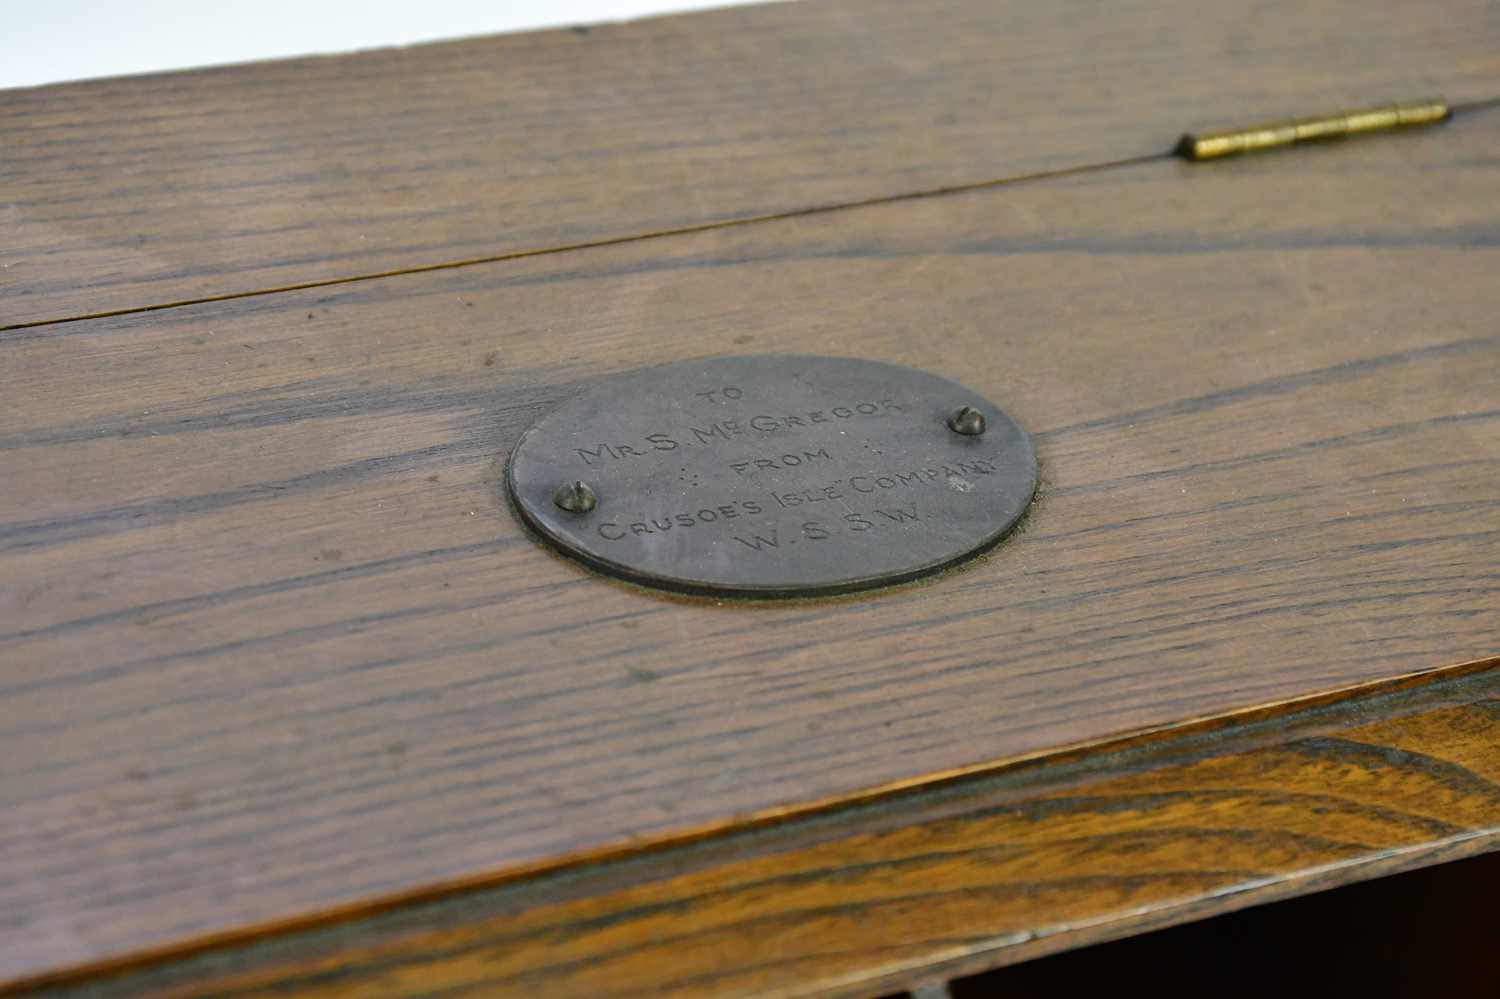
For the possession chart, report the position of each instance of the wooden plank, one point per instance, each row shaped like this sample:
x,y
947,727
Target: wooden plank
x,y
273,644
123,194
1408,933
941,882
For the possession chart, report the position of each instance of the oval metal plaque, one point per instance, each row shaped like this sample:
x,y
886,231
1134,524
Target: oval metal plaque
x,y
773,476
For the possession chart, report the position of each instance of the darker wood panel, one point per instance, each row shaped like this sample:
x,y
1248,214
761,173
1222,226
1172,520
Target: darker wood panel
x,y
271,643
983,872
1407,936
121,194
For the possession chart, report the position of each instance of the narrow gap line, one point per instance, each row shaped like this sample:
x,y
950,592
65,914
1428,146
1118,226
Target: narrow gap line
x,y
1469,107
639,237
1488,104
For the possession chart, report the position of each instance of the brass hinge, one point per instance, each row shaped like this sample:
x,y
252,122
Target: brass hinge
x,y
1212,145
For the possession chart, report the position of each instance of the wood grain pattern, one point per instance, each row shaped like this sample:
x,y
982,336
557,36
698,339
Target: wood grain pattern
x,y
271,642
1412,933
121,194
985,872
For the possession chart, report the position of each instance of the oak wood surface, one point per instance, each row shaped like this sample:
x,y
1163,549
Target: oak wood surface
x,y
272,643
129,193
1411,933
983,872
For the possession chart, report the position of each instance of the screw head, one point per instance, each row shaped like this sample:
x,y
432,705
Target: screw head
x,y
966,420
575,497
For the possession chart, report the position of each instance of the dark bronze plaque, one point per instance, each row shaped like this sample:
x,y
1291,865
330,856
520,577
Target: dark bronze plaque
x,y
773,476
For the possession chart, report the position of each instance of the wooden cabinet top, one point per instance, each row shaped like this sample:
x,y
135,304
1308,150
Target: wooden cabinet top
x,y
287,687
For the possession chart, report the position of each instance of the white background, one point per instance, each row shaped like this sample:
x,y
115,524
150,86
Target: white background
x,y
47,41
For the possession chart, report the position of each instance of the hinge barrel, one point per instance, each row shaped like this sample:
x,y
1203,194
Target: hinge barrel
x,y
1231,142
